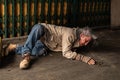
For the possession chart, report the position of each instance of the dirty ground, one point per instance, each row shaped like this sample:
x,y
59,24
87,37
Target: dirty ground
x,y
56,67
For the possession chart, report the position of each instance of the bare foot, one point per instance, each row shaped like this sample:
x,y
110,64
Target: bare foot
x,y
91,62
10,48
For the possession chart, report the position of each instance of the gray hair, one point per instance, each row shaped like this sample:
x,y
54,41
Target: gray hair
x,y
87,32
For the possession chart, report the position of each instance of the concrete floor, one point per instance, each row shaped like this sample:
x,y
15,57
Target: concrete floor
x,y
56,67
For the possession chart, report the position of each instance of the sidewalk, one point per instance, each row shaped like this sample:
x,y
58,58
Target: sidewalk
x,y
56,67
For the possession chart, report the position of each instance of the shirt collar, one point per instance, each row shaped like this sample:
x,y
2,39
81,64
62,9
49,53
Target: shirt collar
x,y
77,44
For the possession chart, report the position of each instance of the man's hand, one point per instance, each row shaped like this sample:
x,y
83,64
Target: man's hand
x,y
85,59
91,62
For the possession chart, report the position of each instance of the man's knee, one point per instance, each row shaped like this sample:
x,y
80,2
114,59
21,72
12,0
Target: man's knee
x,y
37,26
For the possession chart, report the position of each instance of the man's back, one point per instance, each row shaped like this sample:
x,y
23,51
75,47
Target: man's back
x,y
54,36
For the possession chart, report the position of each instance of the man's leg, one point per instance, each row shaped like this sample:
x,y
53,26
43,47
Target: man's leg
x,y
26,50
38,50
35,34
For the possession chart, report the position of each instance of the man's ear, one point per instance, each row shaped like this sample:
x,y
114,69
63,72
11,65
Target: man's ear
x,y
81,35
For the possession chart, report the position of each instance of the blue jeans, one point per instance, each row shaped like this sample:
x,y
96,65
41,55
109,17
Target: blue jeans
x,y
33,45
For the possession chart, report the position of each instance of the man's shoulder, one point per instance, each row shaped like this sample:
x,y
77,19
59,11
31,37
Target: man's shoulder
x,y
69,30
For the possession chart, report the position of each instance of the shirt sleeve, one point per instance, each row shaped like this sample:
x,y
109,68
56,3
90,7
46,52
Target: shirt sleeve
x,y
67,44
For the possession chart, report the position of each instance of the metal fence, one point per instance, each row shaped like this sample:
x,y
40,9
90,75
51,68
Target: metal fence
x,y
18,16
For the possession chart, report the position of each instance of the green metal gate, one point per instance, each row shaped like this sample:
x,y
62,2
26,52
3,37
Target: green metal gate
x,y
18,16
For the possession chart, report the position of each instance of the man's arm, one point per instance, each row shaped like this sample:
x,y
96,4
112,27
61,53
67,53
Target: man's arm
x,y
67,44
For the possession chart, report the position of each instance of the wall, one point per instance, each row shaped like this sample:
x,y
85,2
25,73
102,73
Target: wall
x,y
115,13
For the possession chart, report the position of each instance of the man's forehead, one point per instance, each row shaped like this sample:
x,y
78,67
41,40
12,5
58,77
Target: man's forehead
x,y
86,35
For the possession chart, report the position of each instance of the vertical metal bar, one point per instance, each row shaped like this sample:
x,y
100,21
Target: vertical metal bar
x,y
35,11
5,19
46,11
74,9
1,50
0,15
91,13
97,19
79,13
1,32
24,28
21,16
102,11
13,18
49,11
99,13
99,5
68,13
86,13
82,13
17,17
52,14
95,13
9,18
28,16
1,20
55,15
42,19
61,12
109,12
64,12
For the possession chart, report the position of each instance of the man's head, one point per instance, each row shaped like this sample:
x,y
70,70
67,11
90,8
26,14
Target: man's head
x,y
86,36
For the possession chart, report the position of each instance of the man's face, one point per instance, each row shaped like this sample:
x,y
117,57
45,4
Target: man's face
x,y
84,40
